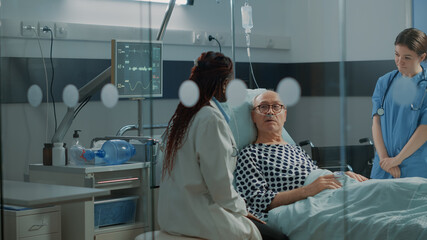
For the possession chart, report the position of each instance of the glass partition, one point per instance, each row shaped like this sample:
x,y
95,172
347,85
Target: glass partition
x,y
63,79
63,119
324,58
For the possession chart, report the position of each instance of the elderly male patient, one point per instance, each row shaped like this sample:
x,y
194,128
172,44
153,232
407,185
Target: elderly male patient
x,y
270,172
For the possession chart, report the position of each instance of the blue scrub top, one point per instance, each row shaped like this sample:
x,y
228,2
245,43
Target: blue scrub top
x,y
398,124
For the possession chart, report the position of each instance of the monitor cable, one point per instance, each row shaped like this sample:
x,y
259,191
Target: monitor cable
x,y
81,105
47,29
213,38
46,79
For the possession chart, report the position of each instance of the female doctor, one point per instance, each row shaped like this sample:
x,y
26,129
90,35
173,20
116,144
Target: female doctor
x,y
196,196
400,130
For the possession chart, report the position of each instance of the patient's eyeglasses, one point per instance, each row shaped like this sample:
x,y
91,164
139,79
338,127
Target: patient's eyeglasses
x,y
264,108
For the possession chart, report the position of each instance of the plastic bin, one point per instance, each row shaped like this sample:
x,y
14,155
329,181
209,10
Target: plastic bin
x,y
115,211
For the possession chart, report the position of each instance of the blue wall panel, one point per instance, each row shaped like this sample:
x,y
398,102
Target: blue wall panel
x,y
420,14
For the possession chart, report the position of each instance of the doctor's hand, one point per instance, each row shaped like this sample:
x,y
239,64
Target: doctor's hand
x,y
389,162
251,216
395,172
356,176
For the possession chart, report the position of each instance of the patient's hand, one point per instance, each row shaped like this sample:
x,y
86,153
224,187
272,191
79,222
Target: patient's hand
x,y
322,183
356,176
251,216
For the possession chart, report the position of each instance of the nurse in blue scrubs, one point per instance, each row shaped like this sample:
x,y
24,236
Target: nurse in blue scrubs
x,y
400,130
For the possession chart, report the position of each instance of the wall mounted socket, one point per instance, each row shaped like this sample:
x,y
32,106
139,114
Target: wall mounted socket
x,y
61,30
198,38
42,32
206,36
28,28
218,36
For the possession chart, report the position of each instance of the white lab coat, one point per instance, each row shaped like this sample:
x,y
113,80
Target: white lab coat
x,y
198,198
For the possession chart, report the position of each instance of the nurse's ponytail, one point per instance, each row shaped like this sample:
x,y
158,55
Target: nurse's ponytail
x,y
414,39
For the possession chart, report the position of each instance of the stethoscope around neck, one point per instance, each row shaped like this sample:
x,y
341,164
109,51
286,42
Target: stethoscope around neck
x,y
380,111
227,119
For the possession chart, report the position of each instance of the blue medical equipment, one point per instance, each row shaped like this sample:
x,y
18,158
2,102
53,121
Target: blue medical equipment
x,y
221,109
380,110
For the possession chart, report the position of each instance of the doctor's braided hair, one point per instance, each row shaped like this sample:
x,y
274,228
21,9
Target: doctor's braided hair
x,y
211,72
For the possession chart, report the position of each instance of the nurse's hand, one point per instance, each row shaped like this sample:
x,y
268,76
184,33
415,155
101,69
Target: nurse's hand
x,y
388,163
395,172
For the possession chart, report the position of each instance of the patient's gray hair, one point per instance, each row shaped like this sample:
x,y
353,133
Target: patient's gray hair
x,y
257,96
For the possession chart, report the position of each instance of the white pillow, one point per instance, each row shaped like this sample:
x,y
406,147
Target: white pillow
x,y
241,124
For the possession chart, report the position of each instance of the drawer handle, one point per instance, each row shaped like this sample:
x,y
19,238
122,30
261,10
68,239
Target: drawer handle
x,y
116,181
36,227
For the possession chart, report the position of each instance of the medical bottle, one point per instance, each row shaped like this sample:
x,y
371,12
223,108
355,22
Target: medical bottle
x,y
77,154
115,152
58,154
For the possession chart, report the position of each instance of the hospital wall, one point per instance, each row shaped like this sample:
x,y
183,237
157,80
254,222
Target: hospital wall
x,y
311,26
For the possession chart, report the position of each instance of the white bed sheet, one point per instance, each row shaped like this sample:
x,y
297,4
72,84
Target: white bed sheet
x,y
374,209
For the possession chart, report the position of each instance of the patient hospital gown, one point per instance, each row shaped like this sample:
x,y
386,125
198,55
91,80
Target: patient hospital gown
x,y
264,170
198,198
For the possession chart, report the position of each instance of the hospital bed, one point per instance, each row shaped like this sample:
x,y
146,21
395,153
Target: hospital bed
x,y
380,209
374,209
358,158
244,133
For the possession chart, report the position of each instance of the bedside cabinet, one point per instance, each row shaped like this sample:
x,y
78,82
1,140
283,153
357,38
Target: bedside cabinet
x,y
33,224
124,181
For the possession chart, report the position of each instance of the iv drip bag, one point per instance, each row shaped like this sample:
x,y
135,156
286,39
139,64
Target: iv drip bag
x,y
247,23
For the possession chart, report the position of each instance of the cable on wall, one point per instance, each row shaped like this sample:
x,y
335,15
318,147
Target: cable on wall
x,y
46,80
213,38
47,29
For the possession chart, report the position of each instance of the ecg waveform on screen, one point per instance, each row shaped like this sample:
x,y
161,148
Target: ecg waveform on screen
x,y
136,85
135,68
134,51
139,69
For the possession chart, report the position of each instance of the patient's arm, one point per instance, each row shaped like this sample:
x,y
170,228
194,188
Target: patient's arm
x,y
320,184
253,188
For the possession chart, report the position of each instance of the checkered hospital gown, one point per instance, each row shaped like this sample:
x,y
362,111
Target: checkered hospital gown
x,y
264,170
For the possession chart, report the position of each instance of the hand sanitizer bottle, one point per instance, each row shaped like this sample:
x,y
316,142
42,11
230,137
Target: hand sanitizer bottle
x,y
78,155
